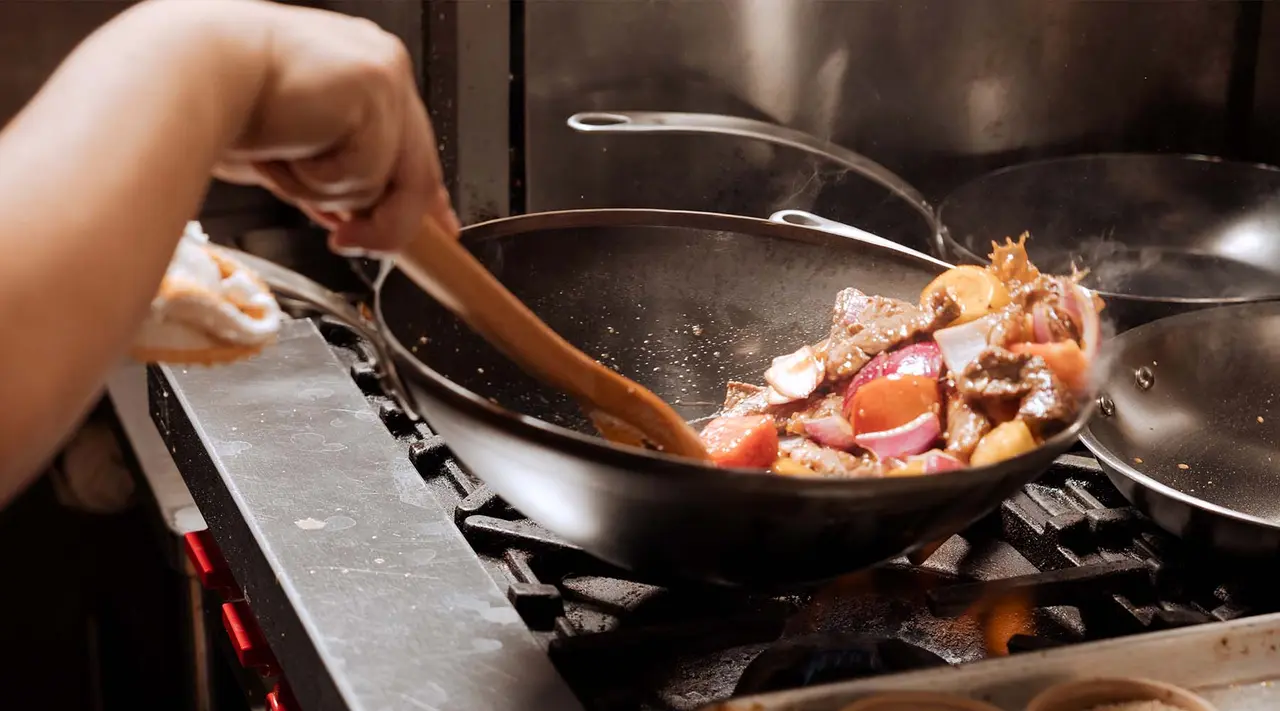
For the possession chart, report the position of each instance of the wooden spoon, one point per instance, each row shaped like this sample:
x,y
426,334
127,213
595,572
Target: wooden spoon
x,y
622,410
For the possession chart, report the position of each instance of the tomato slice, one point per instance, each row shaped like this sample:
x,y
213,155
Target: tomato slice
x,y
749,441
1064,358
893,401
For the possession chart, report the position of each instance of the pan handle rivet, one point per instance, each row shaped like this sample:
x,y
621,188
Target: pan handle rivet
x,y
1106,406
1144,378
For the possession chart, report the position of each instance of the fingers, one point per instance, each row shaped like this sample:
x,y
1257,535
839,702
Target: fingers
x,y
415,192
342,134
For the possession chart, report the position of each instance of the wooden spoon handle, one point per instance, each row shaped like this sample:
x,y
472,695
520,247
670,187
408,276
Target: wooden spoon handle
x,y
446,270
439,264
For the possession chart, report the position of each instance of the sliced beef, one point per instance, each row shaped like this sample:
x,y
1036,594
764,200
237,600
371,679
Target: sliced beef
x,y
965,425
1008,325
743,399
997,373
1049,403
864,326
828,461
813,409
1044,294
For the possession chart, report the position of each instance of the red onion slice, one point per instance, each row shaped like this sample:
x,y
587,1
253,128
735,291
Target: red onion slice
x,y
831,431
1090,323
961,345
1040,323
923,359
1080,306
912,438
795,375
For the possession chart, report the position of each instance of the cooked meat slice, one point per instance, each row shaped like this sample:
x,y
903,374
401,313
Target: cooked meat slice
x,y
744,399
995,373
965,425
813,409
1008,326
1048,402
740,395
850,303
998,373
867,325
827,461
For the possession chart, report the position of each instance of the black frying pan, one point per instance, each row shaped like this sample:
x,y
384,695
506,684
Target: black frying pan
x,y
681,302
1161,234
1188,430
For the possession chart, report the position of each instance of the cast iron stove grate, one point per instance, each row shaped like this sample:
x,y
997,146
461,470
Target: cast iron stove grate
x,y
1065,560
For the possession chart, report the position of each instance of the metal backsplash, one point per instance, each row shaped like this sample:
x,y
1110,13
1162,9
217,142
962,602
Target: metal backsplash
x,y
937,91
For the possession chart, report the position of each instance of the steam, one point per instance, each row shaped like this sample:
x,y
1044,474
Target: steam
x,y
1162,272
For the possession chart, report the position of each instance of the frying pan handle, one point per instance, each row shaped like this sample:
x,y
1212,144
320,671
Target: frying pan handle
x,y
720,125
808,219
294,286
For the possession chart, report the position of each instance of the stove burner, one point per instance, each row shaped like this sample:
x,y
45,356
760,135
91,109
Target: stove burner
x,y
829,657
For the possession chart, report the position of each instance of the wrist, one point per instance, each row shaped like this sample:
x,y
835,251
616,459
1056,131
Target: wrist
x,y
223,46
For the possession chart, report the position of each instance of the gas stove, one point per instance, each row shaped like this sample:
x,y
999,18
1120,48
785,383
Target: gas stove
x,y
1064,562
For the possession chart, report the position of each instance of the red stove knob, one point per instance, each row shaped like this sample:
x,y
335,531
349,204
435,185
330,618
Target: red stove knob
x,y
281,699
247,639
211,567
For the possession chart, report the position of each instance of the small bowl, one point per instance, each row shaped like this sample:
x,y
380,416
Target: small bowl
x,y
917,701
1086,694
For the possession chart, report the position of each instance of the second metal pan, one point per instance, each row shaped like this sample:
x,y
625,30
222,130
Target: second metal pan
x,y
1160,234
1189,425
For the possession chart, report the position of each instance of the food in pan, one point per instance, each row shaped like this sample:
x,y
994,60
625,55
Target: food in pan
x,y
210,309
989,363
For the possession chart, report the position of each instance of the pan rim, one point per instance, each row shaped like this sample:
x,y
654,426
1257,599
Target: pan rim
x,y
1113,461
964,252
641,462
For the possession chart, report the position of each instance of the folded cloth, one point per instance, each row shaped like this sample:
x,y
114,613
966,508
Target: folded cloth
x,y
210,309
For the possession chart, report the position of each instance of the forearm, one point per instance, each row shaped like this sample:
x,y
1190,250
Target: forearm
x,y
97,177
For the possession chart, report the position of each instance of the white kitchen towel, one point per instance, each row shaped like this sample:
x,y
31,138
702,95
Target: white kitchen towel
x,y
209,309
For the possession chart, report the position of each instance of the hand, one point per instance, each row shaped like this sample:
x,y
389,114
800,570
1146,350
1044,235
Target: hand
x,y
339,131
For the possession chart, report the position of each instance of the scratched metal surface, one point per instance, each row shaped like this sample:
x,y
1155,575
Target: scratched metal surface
x,y
365,589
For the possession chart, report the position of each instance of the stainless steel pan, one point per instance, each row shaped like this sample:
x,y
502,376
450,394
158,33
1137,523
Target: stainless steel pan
x,y
1189,429
681,302
1160,234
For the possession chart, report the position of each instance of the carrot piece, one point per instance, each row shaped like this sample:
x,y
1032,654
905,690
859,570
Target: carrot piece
x,y
893,401
1064,358
750,441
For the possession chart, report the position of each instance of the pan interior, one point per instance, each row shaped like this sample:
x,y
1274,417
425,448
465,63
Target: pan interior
x,y
1172,227
1206,425
680,310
